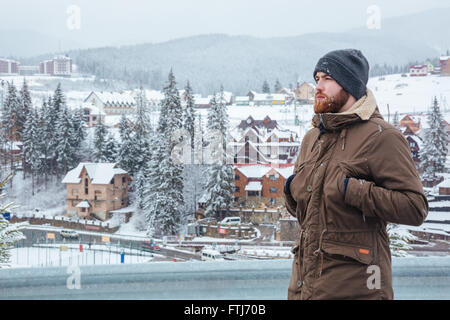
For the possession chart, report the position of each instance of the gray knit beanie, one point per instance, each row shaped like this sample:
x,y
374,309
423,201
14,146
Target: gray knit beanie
x,y
347,67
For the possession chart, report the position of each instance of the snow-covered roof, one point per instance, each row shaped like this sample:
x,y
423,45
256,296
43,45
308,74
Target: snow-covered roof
x,y
115,98
83,204
269,96
100,173
285,171
445,58
242,98
199,100
253,186
129,209
281,133
254,171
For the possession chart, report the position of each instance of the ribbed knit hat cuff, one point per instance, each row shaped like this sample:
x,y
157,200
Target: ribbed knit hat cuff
x,y
342,75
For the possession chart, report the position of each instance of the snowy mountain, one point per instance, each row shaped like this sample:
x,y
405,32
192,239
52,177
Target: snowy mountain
x,y
243,62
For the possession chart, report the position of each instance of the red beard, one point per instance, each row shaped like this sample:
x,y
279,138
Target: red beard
x,y
331,105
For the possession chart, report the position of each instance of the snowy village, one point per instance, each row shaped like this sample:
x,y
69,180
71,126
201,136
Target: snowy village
x,y
100,169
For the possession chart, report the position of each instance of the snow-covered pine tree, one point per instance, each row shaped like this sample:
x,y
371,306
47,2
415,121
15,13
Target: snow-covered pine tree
x,y
25,107
189,117
54,104
9,233
153,186
31,146
125,156
111,148
219,186
100,137
277,86
399,239
142,132
138,199
433,154
265,87
11,107
165,213
45,132
64,151
79,135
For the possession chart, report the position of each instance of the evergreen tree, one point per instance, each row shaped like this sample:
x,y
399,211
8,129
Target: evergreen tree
x,y
64,151
265,87
100,138
125,156
142,132
25,107
111,149
399,239
139,187
277,86
433,154
31,146
9,233
219,186
79,135
10,115
45,133
164,201
189,117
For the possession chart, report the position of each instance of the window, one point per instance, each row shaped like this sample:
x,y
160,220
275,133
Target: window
x,y
86,182
112,181
273,178
237,189
273,189
236,177
124,179
86,190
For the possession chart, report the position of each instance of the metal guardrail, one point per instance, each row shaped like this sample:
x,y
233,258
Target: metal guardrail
x,y
413,278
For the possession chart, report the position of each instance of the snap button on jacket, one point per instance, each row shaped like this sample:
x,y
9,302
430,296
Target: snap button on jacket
x,y
343,237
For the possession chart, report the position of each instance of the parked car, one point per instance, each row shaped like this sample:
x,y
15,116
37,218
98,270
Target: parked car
x,y
70,234
231,220
149,246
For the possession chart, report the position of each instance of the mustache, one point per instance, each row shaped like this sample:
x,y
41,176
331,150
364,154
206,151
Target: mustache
x,y
321,94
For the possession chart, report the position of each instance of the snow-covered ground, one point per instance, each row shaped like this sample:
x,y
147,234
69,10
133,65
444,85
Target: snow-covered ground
x,y
410,94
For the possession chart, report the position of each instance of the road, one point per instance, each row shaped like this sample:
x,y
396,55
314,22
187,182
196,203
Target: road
x,y
35,235
413,278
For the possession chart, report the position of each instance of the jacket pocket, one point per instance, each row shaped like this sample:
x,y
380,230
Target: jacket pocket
x,y
301,188
357,168
343,251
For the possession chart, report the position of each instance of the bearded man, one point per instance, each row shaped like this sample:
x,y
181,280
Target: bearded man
x,y
353,175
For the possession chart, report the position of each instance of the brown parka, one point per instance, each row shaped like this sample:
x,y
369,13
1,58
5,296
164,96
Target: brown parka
x,y
343,247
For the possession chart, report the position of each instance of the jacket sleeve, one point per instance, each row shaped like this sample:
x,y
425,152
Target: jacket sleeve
x,y
396,193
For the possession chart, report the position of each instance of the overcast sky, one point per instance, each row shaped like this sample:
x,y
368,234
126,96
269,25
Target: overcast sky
x,y
116,22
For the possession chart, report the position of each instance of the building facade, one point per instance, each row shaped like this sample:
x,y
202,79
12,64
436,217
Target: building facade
x,y
111,103
58,66
8,66
96,189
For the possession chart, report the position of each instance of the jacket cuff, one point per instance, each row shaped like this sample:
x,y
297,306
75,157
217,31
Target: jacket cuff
x,y
353,193
357,191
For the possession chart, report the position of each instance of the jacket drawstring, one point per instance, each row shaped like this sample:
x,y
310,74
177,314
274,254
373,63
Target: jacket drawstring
x,y
320,251
343,134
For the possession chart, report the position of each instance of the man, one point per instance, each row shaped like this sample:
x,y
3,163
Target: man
x,y
353,175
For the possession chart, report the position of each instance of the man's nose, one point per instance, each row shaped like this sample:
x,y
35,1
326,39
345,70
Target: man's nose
x,y
319,86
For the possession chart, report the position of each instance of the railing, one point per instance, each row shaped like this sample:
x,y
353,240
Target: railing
x,y
413,278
